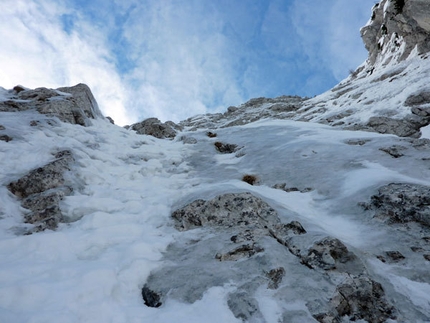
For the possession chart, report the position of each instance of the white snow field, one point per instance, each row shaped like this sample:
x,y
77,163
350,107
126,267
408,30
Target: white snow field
x,y
126,185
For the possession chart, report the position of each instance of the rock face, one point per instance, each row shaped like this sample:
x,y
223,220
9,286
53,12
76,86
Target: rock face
x,y
242,240
396,28
75,105
402,203
154,127
41,191
359,298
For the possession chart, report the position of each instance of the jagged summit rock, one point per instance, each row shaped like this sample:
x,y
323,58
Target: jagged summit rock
x,y
75,104
396,28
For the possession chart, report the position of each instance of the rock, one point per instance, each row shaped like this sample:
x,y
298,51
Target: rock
x,y
427,257
65,110
150,297
42,190
42,178
393,257
225,148
401,128
244,251
357,142
359,298
394,151
421,144
275,277
110,120
417,99
402,203
13,106
211,134
84,100
228,210
250,179
327,253
295,227
39,94
75,105
2,127
243,307
188,140
395,29
284,187
18,88
47,218
5,138
154,127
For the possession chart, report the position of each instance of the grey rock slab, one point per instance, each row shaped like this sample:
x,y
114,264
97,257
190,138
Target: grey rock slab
x,y
402,203
154,127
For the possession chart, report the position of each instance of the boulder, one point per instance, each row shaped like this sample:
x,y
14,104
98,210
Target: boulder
x,y
228,210
41,191
327,254
402,203
75,105
225,148
154,127
359,298
400,127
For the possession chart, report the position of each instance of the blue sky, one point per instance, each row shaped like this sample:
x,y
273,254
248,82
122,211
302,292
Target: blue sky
x,y
174,59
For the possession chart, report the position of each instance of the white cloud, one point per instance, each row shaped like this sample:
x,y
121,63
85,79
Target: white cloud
x,y
329,32
174,59
36,51
183,63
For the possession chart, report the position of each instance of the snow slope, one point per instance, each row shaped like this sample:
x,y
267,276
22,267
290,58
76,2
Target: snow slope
x,y
126,186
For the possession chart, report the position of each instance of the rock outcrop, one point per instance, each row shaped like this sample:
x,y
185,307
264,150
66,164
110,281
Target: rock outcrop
x,y
41,191
245,242
154,127
402,203
75,105
396,28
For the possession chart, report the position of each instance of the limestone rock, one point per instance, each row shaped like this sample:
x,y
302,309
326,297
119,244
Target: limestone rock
x,y
6,138
84,100
225,148
243,209
275,276
151,298
359,298
42,190
42,178
394,151
396,28
401,128
401,203
243,251
75,105
154,127
327,254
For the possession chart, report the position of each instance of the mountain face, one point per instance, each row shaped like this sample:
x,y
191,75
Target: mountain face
x,y
282,209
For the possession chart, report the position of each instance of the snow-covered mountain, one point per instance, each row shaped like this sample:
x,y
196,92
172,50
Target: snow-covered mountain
x,y
280,210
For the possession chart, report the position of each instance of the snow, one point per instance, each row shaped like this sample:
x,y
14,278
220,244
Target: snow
x,y
126,186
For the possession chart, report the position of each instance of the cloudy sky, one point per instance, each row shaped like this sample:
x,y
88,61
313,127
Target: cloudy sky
x,y
173,59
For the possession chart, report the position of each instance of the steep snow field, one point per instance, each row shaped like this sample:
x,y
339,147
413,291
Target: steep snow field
x,y
92,269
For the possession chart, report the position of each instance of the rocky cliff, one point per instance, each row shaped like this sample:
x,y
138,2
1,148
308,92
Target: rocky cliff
x,y
282,209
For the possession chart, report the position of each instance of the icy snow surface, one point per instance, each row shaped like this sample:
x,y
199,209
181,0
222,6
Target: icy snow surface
x,y
93,268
